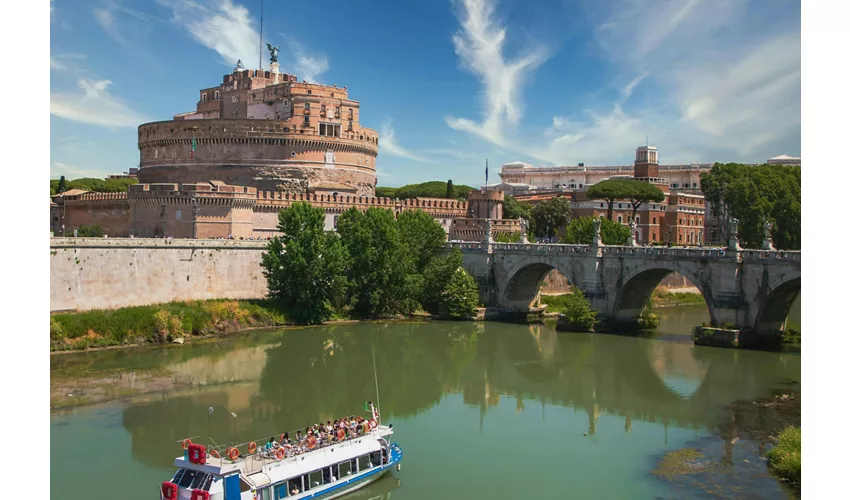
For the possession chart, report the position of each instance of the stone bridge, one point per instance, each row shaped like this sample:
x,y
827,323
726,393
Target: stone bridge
x,y
750,289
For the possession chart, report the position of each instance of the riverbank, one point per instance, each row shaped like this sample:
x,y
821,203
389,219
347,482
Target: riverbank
x,y
174,322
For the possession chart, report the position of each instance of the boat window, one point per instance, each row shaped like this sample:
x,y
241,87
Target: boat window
x,y
316,479
280,491
335,471
188,477
178,476
345,469
375,458
265,494
200,479
301,482
207,482
363,463
326,475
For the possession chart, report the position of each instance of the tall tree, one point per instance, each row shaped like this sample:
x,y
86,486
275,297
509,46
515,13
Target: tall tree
x,y
550,216
438,275
580,232
422,237
450,189
305,267
379,261
610,191
641,192
512,209
63,185
753,195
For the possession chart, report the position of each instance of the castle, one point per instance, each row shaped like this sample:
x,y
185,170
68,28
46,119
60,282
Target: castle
x,y
266,130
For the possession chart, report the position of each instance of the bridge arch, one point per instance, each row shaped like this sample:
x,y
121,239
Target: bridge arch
x,y
635,290
523,281
774,309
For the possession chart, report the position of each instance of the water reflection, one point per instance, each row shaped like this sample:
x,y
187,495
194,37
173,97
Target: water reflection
x,y
320,374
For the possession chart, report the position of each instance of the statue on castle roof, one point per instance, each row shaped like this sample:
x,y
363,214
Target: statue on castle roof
x,y
273,50
239,66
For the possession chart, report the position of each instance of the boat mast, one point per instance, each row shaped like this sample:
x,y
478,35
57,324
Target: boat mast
x,y
377,394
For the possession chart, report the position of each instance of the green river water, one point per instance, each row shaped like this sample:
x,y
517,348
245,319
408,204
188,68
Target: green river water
x,y
487,410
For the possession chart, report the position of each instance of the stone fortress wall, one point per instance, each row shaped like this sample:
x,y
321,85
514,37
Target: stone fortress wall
x,y
103,273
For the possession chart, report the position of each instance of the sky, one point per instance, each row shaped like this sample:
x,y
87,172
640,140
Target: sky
x,y
448,84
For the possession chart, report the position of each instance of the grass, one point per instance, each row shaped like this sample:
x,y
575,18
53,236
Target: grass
x,y
157,323
662,296
785,458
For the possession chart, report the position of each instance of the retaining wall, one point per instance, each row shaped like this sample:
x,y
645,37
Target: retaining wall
x,y
102,273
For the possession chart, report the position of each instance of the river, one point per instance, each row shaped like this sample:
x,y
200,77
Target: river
x,y
481,410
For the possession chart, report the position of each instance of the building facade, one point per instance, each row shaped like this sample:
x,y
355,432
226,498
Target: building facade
x,y
266,130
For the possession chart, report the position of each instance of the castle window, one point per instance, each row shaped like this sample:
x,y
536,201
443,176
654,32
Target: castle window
x,y
203,97
653,220
350,114
637,219
306,120
217,95
323,108
306,106
309,91
620,219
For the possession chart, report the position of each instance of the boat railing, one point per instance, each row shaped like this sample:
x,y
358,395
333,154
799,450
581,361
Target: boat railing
x,y
291,449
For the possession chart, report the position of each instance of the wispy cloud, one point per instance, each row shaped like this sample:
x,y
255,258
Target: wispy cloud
x,y
391,147
58,169
721,80
307,66
94,106
229,29
479,45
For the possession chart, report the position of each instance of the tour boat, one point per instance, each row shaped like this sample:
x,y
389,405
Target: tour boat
x,y
311,469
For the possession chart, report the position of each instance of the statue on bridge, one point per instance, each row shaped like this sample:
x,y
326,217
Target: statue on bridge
x,y
523,230
597,233
733,236
767,242
632,242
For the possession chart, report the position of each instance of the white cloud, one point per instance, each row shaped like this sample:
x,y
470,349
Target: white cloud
x,y
479,45
391,147
94,106
229,29
307,66
58,169
59,62
721,81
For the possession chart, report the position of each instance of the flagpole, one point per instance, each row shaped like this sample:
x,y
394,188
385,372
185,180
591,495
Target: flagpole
x,y
486,172
261,35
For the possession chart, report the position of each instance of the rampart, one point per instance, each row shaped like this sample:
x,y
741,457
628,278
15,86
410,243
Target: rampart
x,y
101,273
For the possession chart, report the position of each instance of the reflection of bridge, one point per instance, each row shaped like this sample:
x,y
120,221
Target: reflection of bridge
x,y
746,288
318,374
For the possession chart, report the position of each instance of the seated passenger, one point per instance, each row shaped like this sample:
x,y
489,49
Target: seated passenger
x,y
271,444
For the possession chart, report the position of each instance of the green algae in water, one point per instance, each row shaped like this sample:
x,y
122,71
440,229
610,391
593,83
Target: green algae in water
x,y
682,462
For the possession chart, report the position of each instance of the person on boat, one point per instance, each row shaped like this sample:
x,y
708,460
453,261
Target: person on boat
x,y
285,439
271,444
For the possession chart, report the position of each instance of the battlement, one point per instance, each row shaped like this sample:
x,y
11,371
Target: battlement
x,y
481,194
92,197
278,200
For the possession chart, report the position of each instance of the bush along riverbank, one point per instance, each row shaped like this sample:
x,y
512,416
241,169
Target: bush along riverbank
x,y
159,324
785,459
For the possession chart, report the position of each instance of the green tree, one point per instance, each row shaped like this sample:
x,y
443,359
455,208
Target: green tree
x,y
422,237
63,185
460,298
580,232
379,261
512,209
507,237
305,267
438,274
577,315
551,215
450,189
636,192
753,194
93,231
430,189
641,192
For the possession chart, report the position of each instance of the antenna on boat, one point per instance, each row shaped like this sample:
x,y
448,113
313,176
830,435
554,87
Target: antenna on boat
x,y
209,424
377,394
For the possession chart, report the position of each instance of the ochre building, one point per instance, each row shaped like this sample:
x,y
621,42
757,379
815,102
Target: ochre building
x,y
265,130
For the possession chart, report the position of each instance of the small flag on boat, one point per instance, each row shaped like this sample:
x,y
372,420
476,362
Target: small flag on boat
x,y
365,406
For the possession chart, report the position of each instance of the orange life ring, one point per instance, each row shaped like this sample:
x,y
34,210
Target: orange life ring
x,y
186,443
311,443
232,453
214,454
340,434
252,447
280,453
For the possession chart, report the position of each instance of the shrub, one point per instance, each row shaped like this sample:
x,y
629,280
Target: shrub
x,y
577,314
786,457
460,298
56,330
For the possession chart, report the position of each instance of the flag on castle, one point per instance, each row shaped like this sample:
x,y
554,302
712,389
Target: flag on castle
x,y
486,171
194,146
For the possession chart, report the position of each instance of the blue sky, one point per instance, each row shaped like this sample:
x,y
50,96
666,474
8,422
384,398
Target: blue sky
x,y
447,84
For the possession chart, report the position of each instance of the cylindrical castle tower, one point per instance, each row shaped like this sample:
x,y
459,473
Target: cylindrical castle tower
x,y
265,130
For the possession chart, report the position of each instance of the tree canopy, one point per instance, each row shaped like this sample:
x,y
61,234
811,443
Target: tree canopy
x,y
431,189
636,192
90,184
305,267
753,194
580,232
550,216
513,209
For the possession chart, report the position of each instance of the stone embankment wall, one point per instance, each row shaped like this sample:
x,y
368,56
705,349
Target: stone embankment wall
x,y
102,273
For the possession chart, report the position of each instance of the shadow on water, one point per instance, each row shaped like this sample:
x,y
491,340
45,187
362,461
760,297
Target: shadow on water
x,y
291,379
